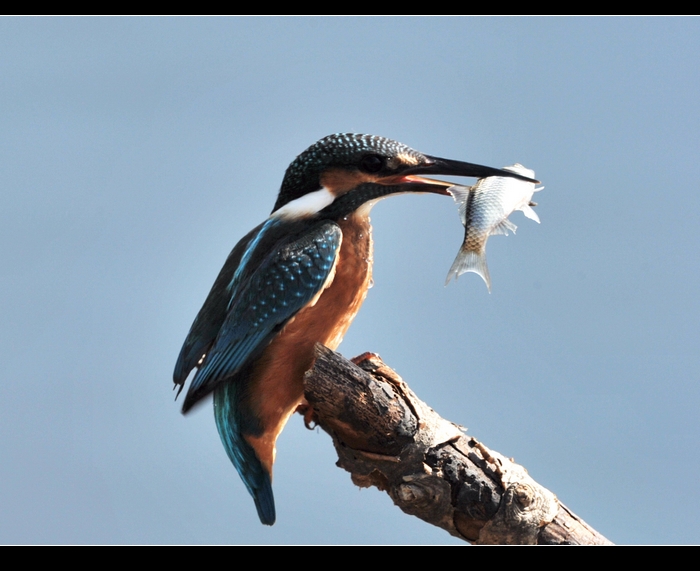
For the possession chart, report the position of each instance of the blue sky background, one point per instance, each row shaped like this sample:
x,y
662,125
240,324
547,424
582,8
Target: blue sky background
x,y
134,153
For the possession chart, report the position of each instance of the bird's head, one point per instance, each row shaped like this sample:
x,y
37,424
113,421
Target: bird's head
x,y
341,172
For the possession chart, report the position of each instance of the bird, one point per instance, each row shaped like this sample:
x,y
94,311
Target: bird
x,y
297,279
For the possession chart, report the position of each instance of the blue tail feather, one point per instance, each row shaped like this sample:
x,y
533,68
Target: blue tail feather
x,y
254,476
265,501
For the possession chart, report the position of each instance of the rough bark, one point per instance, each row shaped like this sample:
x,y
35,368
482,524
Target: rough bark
x,y
386,437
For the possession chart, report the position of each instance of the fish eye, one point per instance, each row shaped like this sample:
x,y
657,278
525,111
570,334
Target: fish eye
x,y
372,163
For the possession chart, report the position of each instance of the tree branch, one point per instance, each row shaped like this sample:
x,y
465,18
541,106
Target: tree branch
x,y
386,437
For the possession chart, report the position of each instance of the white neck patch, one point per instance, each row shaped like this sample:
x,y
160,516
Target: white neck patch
x,y
306,205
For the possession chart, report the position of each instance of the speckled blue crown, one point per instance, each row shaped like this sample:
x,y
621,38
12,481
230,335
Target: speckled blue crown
x,y
339,149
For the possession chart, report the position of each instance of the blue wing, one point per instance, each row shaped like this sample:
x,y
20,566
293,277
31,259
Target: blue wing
x,y
279,273
211,317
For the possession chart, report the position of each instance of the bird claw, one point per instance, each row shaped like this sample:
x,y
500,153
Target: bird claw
x,y
309,414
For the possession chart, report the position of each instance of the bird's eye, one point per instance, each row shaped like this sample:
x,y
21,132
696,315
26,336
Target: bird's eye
x,y
372,163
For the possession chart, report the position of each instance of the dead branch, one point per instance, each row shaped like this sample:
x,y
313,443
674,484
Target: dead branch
x,y
386,437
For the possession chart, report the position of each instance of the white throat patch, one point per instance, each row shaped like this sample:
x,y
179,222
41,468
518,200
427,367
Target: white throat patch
x,y
306,205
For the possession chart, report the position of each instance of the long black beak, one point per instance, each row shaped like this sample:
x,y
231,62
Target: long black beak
x,y
448,167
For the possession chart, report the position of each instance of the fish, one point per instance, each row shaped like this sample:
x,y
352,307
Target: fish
x,y
484,209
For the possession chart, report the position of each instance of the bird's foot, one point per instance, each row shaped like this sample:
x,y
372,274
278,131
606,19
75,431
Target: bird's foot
x,y
367,356
309,414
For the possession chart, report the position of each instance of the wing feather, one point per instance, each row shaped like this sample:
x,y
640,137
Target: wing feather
x,y
211,317
264,297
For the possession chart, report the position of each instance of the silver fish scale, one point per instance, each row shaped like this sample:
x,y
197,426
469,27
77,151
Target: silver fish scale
x,y
487,213
484,209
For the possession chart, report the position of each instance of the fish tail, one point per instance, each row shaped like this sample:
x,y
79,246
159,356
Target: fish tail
x,y
470,261
254,475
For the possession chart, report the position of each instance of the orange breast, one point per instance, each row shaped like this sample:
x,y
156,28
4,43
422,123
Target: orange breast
x,y
277,381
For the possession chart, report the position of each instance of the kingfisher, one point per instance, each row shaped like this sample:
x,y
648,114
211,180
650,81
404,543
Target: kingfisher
x,y
295,280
